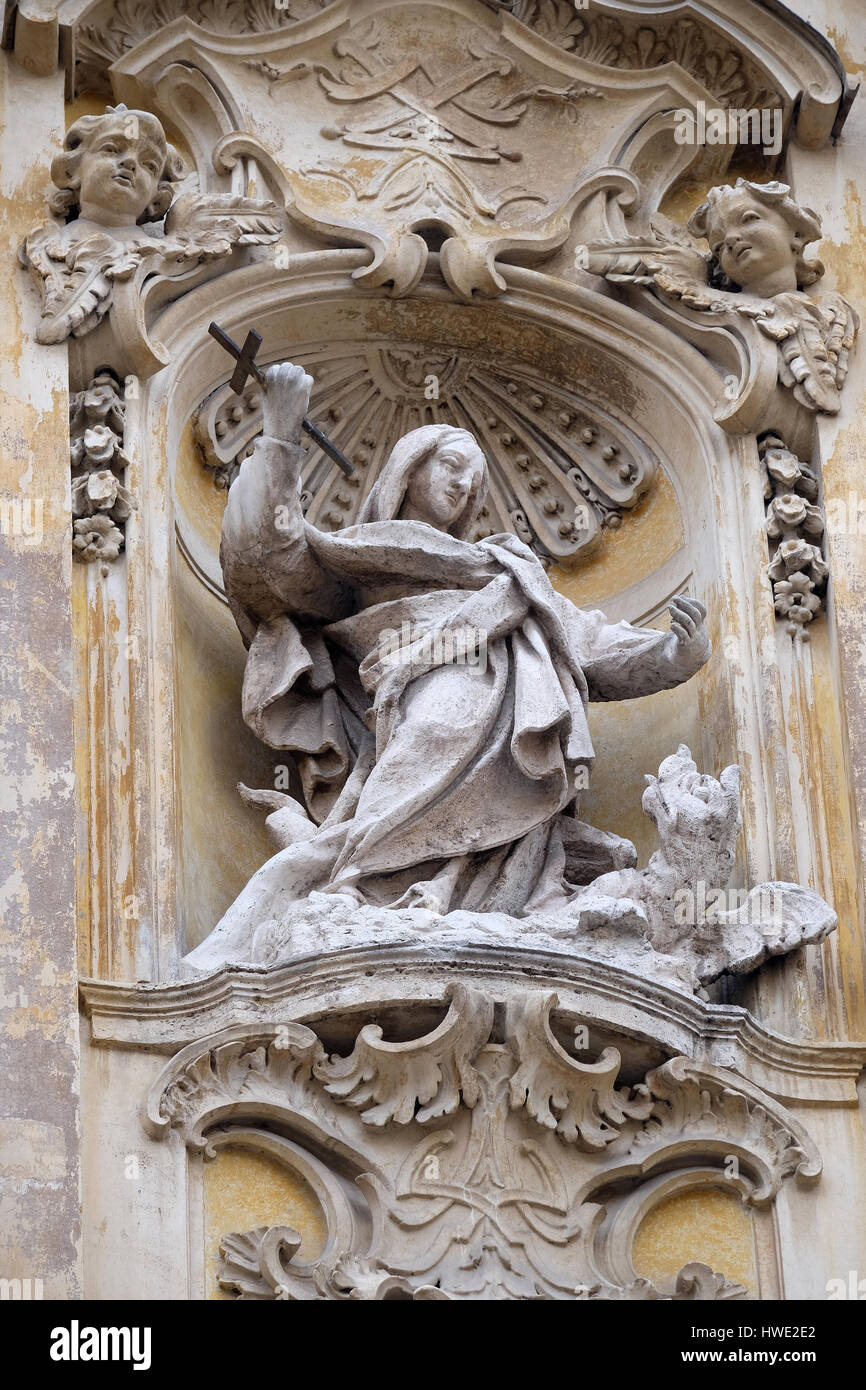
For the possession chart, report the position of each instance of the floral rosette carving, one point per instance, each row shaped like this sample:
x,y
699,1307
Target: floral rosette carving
x,y
101,503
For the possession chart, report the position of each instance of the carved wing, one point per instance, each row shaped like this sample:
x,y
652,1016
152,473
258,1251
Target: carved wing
x,y
666,257
201,227
77,275
815,338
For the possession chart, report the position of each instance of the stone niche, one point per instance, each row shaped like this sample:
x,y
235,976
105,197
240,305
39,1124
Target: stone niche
x,y
588,485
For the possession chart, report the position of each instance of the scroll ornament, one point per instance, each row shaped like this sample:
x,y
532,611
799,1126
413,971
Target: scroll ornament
x,y
466,1168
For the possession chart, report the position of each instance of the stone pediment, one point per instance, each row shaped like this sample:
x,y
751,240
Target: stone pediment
x,y
735,50
411,128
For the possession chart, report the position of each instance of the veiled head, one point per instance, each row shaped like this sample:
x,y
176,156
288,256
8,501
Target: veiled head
x,y
436,474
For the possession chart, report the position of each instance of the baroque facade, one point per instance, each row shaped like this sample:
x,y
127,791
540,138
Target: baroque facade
x,y
435,803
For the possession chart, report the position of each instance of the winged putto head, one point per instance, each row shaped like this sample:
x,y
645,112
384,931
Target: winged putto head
x,y
116,169
757,234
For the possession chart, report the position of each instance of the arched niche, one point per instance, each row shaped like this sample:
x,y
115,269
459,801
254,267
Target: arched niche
x,y
696,528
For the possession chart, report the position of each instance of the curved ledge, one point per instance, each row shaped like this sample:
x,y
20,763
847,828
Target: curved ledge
x,y
166,1017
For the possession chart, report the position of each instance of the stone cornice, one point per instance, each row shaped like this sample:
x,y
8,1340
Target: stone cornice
x,y
612,1000
89,35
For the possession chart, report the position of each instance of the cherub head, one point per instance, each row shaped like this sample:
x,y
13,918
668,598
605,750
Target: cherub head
x,y
758,233
116,169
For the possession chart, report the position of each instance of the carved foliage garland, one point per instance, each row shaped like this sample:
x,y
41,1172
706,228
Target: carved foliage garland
x,y
478,1160
100,502
795,527
561,470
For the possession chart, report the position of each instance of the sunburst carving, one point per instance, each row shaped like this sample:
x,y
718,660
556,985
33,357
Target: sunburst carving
x,y
561,469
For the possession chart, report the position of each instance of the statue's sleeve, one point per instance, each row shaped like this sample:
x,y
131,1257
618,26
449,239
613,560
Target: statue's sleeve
x,y
267,564
622,662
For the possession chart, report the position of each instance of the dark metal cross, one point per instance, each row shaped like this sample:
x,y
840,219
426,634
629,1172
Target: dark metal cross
x,y
246,365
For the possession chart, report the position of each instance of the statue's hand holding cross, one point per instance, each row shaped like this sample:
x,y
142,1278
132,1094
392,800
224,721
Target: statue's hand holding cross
x,y
281,390
285,401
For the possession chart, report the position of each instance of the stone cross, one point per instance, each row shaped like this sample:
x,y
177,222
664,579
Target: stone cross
x,y
246,365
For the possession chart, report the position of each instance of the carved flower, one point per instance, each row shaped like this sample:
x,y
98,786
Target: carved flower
x,y
788,510
96,538
100,444
798,554
101,397
795,599
782,465
101,492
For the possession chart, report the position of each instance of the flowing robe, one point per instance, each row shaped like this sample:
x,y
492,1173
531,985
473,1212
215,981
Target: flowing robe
x,y
435,781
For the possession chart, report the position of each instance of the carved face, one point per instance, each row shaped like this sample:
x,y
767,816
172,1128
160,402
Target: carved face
x,y
752,241
440,486
120,173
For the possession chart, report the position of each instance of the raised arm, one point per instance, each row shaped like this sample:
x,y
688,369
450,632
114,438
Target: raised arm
x,y
622,662
267,565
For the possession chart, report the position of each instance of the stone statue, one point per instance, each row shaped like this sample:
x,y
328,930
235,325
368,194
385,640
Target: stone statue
x,y
756,268
434,691
115,179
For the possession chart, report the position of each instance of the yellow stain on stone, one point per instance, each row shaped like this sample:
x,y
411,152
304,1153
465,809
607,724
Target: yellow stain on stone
x,y
244,1190
853,61
680,202
709,1225
650,534
197,497
92,104
845,260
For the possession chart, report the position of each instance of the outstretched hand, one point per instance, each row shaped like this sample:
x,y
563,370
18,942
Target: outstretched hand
x,y
687,627
285,401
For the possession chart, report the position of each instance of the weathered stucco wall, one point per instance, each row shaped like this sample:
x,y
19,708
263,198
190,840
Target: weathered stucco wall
x,y
39,1119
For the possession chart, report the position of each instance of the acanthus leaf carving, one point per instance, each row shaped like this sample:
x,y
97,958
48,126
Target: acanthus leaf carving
x,y
703,1105
473,1194
577,1099
432,1072
633,43
120,25
228,1073
695,1282
254,1262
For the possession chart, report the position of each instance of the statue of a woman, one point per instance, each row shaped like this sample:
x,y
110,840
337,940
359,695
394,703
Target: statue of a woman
x,y
431,780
